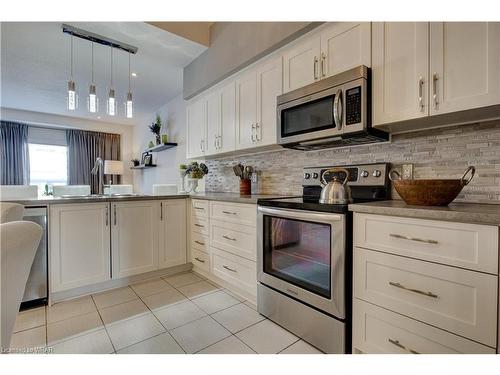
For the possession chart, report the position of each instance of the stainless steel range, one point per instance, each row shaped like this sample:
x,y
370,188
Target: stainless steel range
x,y
304,264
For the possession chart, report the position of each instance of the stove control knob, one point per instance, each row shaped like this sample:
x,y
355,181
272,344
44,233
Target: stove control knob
x,y
307,176
315,175
364,174
376,173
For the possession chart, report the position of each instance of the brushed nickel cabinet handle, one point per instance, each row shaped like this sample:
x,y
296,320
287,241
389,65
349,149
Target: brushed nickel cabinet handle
x,y
228,238
199,225
229,213
254,136
199,242
434,89
400,236
229,269
257,128
199,208
323,59
421,93
107,215
114,212
399,345
161,211
400,286
199,260
315,64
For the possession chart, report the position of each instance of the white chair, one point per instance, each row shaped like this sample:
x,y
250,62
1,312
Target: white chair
x,y
11,212
13,192
164,189
18,243
60,190
118,189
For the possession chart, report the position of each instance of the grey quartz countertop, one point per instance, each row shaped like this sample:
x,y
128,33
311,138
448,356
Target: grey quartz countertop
x,y
45,201
235,197
461,212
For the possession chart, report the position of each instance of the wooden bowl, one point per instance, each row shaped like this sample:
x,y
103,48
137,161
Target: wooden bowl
x,y
430,192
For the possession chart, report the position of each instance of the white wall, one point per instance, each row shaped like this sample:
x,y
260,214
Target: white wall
x,y
173,115
45,119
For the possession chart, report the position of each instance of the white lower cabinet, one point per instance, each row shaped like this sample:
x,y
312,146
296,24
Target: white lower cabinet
x,y
172,244
134,237
79,245
404,301
235,270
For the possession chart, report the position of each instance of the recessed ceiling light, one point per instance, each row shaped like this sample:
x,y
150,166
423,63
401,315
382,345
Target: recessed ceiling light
x,y
134,74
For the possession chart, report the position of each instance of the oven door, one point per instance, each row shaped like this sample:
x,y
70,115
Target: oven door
x,y
302,254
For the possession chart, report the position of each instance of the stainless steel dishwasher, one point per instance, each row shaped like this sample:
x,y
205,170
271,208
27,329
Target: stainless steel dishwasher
x,y
36,292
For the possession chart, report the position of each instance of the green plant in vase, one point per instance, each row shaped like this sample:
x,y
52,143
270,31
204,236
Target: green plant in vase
x,y
155,128
195,171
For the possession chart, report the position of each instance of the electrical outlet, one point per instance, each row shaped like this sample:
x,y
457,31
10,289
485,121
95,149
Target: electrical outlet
x,y
407,171
254,177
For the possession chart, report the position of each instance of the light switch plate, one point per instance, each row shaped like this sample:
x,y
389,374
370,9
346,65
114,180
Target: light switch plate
x,y
407,171
254,177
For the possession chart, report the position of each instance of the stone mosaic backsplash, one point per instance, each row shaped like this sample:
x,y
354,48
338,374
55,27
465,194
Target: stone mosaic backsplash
x,y
437,153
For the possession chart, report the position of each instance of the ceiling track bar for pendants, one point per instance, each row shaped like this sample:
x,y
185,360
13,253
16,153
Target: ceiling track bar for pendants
x,y
96,38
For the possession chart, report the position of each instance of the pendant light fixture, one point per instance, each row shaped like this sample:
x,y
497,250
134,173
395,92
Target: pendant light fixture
x,y
93,100
128,103
72,99
111,95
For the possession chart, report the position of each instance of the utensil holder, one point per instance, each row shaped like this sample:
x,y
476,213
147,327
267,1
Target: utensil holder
x,y
245,187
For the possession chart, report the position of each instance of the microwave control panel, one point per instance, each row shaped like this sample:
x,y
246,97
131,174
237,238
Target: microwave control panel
x,y
353,106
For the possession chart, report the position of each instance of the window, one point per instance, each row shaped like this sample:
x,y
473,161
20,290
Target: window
x,y
48,165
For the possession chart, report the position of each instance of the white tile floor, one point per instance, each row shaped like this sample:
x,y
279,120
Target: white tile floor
x,y
178,314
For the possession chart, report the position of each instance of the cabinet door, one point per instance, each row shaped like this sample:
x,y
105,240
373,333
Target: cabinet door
x,y
172,233
269,86
196,128
79,245
246,111
464,65
301,64
134,237
345,45
228,118
399,71
213,122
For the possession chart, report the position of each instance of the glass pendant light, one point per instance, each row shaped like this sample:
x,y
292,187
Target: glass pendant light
x,y
93,100
111,95
72,98
129,104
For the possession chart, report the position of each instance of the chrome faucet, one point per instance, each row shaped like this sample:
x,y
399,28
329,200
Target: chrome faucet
x,y
98,170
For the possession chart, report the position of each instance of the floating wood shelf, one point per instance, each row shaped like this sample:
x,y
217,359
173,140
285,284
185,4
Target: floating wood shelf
x,y
164,146
142,166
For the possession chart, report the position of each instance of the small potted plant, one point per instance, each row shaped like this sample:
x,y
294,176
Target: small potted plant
x,y
195,171
155,128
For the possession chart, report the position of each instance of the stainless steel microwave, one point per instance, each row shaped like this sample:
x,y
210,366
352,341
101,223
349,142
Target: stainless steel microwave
x,y
329,113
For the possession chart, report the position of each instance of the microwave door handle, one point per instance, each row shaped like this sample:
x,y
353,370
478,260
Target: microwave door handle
x,y
337,109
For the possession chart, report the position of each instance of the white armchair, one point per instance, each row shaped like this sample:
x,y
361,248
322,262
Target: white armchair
x,y
11,212
18,243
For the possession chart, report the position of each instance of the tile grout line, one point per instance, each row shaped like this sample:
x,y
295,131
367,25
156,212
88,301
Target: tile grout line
x,y
293,343
104,325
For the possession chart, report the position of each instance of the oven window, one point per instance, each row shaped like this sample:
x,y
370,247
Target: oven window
x,y
308,117
298,252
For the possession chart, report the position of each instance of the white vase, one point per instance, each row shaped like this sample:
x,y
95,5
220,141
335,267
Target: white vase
x,y
192,184
182,175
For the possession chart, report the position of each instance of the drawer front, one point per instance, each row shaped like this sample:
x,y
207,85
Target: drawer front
x,y
200,260
200,225
245,214
376,330
237,271
200,242
468,246
199,208
237,239
460,301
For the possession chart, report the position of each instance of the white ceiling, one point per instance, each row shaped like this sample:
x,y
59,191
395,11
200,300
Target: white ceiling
x,y
35,67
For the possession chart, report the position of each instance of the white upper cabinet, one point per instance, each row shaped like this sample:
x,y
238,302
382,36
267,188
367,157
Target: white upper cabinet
x,y
400,58
345,45
464,65
172,245
226,139
213,122
79,245
246,109
301,64
196,128
134,237
269,86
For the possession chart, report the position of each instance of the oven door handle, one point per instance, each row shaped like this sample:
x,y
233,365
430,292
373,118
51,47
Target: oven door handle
x,y
300,214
